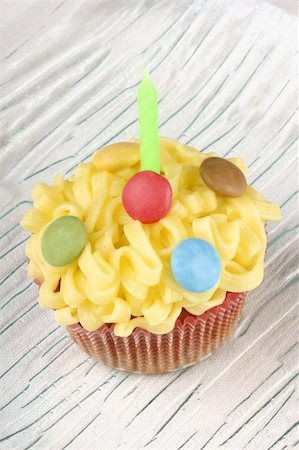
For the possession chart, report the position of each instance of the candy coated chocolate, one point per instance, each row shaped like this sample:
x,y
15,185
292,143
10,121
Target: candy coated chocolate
x,y
147,197
223,177
116,156
196,265
63,240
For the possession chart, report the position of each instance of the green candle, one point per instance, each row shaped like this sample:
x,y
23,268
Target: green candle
x,y
148,125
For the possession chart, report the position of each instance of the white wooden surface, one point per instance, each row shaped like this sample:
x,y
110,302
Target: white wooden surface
x,y
226,76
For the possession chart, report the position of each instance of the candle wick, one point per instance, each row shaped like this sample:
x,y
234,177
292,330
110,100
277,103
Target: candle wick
x,y
146,73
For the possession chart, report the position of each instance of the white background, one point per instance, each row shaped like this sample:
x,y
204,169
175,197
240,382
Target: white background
x,y
226,77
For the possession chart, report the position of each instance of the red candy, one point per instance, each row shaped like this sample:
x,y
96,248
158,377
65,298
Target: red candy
x,y
147,197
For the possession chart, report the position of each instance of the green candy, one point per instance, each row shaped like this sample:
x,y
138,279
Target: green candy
x,y
63,240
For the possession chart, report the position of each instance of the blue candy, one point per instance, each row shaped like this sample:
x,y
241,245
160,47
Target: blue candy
x,y
196,265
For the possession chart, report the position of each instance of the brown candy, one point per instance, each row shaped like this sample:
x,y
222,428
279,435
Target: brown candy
x,y
116,156
223,177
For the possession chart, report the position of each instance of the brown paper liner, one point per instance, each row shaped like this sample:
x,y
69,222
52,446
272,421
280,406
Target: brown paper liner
x,y
192,338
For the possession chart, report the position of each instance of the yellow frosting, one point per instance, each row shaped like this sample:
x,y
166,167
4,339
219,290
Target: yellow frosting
x,y
124,270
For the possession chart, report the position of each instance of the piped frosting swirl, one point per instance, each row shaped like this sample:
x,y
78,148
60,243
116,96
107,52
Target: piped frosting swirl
x,y
123,275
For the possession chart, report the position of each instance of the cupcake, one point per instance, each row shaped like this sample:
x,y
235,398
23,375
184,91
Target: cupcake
x,y
147,266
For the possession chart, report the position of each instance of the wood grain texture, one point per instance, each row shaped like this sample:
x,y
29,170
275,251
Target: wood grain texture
x,y
226,76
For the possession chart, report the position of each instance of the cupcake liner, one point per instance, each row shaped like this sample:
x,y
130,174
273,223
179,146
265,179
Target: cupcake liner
x,y
192,339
